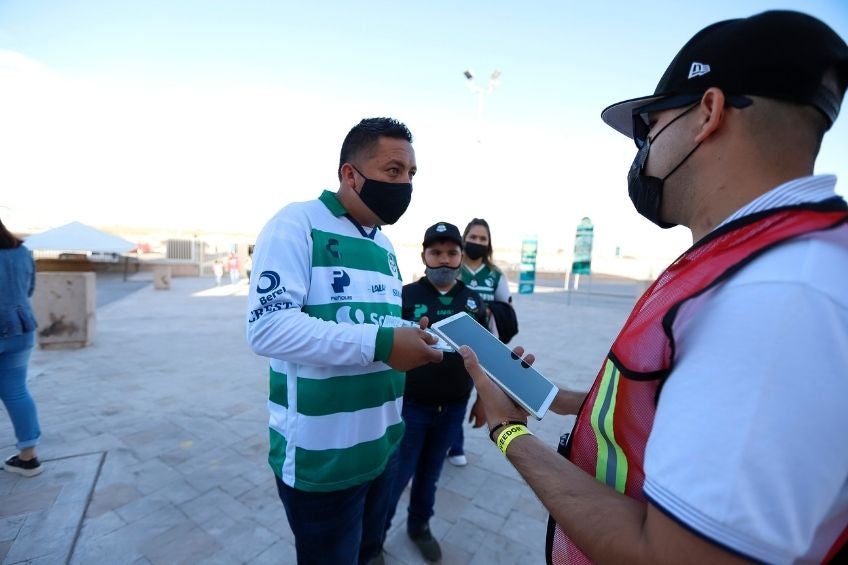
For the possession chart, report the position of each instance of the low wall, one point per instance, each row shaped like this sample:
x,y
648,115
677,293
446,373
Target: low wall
x,y
64,307
178,268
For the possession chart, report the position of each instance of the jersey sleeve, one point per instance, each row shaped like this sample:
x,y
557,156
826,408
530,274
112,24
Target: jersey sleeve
x,y
748,445
276,325
502,290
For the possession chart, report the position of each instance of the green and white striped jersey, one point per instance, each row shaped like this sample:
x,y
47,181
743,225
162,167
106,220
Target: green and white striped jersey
x,y
489,283
320,287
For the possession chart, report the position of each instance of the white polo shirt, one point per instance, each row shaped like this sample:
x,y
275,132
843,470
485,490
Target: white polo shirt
x,y
750,443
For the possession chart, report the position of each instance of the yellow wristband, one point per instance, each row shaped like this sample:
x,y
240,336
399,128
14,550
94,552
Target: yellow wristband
x,y
510,433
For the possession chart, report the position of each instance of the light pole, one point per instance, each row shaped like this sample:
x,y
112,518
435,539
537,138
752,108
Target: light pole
x,y
481,92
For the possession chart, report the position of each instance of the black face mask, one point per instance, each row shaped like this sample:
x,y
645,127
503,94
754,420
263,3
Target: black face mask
x,y
646,192
388,200
475,250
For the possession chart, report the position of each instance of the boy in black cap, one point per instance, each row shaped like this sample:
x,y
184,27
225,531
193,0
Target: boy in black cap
x,y
716,426
436,394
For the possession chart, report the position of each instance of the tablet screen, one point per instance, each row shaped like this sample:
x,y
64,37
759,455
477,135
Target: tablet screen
x,y
523,383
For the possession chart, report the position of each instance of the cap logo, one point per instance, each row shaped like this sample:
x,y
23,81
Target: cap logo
x,y
441,228
698,69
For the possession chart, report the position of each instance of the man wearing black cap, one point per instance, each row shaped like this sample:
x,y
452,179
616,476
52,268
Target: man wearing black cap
x,y
436,394
715,429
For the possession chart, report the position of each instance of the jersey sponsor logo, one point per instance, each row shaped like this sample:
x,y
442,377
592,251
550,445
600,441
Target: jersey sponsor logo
x,y
340,280
271,297
332,248
268,281
393,264
257,313
378,289
395,292
350,315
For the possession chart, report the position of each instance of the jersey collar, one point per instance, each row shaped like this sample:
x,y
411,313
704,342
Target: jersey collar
x,y
336,208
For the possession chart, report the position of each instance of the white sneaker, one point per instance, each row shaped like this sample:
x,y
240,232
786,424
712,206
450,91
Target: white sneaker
x,y
458,460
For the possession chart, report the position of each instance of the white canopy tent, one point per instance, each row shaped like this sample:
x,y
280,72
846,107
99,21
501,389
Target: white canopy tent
x,y
78,238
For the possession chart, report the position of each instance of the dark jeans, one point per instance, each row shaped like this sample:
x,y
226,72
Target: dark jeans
x,y
422,454
457,444
340,527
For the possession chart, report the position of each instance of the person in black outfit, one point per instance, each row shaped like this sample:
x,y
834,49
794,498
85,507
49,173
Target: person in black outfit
x,y
437,393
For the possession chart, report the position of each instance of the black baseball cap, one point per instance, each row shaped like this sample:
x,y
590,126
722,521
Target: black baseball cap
x,y
777,54
440,231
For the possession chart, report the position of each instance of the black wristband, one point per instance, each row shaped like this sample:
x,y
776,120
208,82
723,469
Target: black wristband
x,y
502,424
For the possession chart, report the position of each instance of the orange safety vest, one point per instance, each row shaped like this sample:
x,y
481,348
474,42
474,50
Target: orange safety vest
x,y
613,424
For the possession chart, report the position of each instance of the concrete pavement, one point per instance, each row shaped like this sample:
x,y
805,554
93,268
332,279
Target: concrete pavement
x,y
155,440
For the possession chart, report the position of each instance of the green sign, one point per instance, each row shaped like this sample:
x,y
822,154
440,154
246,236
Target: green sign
x,y
527,267
582,264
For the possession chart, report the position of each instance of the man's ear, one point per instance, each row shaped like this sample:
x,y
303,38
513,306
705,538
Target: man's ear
x,y
347,174
712,111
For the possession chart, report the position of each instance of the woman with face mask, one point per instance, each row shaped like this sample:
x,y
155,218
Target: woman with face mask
x,y
478,269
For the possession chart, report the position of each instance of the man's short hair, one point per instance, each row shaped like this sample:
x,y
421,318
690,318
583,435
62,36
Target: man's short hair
x,y
365,135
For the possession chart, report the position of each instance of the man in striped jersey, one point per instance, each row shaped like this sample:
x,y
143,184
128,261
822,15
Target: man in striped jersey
x,y
324,277
715,429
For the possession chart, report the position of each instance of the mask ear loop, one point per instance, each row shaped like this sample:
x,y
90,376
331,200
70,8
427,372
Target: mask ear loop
x,y
360,174
680,164
650,139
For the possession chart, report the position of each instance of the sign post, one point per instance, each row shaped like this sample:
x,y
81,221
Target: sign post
x,y
582,263
527,268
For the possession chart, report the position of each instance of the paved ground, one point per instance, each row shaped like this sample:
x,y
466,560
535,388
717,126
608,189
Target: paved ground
x,y
155,438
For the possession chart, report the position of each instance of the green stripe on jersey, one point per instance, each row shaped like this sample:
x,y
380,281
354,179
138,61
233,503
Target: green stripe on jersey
x,y
322,397
277,452
279,388
335,250
353,312
336,469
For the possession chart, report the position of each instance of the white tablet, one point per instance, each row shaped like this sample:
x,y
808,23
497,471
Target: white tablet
x,y
520,381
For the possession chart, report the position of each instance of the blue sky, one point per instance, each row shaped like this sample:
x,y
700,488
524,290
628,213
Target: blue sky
x,y
213,114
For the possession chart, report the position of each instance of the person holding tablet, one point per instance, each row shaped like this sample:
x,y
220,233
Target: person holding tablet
x,y
715,429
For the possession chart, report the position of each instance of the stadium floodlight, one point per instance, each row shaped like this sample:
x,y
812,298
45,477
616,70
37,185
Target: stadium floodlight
x,y
481,92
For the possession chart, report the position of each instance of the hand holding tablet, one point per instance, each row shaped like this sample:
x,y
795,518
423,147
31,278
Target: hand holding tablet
x,y
523,383
396,322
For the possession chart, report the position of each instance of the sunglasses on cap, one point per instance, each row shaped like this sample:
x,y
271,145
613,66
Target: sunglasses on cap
x,y
641,123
